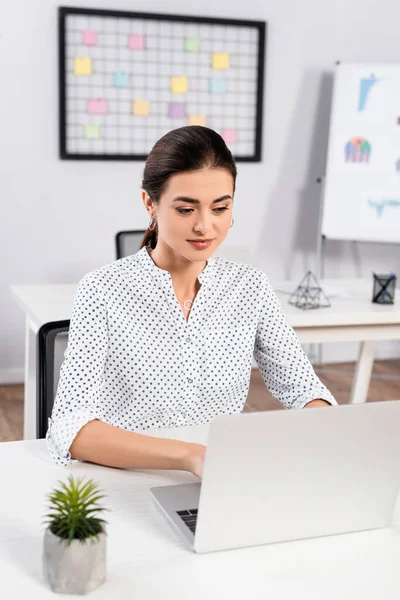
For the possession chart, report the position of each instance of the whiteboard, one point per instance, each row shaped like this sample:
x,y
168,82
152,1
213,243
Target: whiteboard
x,y
361,199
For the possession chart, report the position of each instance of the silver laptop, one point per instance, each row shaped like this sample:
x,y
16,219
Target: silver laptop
x,y
285,475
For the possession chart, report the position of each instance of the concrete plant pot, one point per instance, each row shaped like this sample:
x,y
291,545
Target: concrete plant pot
x,y
75,568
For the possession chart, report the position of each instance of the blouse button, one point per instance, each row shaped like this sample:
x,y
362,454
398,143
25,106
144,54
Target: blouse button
x,y
188,340
190,380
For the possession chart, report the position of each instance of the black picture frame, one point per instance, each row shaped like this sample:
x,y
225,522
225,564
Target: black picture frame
x,y
64,12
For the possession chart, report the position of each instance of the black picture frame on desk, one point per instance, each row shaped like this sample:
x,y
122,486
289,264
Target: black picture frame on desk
x,y
95,126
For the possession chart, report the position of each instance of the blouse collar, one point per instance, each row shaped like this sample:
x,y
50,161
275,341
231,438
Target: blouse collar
x,y
148,264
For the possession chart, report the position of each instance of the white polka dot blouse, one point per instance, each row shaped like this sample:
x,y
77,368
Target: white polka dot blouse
x,y
133,360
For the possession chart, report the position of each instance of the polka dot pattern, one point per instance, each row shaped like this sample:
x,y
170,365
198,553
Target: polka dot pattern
x,y
135,362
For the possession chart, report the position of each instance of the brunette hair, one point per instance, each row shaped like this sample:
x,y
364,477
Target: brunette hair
x,y
188,148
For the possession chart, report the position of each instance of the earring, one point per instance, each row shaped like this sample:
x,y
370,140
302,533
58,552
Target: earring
x,y
231,223
152,224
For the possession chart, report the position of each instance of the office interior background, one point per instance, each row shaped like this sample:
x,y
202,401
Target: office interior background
x,y
59,218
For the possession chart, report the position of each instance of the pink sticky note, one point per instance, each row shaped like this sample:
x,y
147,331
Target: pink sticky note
x,y
136,42
97,106
229,135
90,37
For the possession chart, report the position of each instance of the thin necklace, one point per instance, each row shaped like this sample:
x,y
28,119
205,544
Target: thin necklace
x,y
187,308
184,304
188,302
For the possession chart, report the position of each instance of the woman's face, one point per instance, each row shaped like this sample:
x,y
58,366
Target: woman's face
x,y
196,206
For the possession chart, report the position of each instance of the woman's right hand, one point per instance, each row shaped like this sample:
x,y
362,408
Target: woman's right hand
x,y
194,461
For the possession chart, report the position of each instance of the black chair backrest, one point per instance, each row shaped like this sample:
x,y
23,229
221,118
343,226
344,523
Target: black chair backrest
x,y
52,341
128,242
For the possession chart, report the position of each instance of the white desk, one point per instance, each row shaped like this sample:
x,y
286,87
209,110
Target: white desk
x,y
147,560
353,319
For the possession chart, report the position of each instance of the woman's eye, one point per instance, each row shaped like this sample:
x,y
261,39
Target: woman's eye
x,y
188,211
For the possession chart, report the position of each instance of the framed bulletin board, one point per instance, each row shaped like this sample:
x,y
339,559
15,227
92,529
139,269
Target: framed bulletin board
x,y
126,79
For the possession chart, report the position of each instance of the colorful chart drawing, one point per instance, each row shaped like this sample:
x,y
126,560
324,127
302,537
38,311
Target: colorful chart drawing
x,y
217,85
121,80
357,149
229,135
82,66
97,106
177,110
141,108
220,60
179,85
197,120
192,44
89,37
366,84
92,132
380,205
136,42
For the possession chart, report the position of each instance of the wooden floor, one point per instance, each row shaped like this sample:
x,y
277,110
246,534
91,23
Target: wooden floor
x,y
385,385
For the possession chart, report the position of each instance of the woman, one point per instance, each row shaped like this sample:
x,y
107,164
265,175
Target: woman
x,y
166,337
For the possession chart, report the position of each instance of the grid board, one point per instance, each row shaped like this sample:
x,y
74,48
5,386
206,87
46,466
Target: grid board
x,y
126,79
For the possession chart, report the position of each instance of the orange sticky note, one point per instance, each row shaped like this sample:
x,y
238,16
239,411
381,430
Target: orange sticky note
x,y
83,66
197,120
141,107
220,60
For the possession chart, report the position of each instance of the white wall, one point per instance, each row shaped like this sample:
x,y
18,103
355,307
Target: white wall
x,y
59,218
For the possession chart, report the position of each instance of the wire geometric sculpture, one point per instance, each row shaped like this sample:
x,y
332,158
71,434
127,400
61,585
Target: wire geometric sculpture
x,y
384,289
309,294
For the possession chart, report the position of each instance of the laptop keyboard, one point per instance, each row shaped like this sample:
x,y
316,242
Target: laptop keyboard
x,y
189,517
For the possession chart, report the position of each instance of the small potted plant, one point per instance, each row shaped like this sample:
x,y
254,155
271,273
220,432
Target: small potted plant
x,y
74,554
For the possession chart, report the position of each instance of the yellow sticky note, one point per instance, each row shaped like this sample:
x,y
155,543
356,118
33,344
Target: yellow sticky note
x,y
179,85
197,120
141,107
83,66
220,60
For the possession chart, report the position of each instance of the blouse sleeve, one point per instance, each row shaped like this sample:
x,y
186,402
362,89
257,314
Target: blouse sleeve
x,y
82,372
285,368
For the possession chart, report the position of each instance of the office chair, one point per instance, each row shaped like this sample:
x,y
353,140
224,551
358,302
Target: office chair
x,y
128,242
52,341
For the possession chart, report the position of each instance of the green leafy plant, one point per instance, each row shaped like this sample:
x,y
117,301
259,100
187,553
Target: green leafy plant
x,y
74,512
